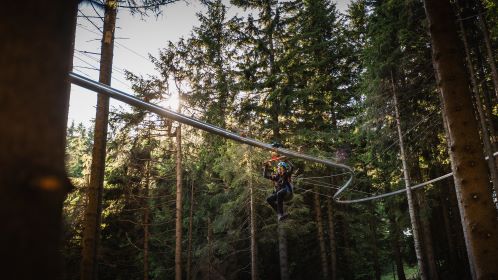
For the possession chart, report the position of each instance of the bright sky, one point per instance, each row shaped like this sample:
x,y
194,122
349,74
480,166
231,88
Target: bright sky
x,y
136,38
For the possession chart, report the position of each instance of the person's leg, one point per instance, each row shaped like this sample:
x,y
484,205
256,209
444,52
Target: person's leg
x,y
272,199
280,201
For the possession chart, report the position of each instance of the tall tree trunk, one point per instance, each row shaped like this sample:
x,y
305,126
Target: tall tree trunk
x,y
482,118
451,254
432,271
489,48
492,125
467,159
282,249
332,240
34,92
146,215
395,245
347,270
254,244
179,204
373,230
454,208
93,211
275,105
412,208
189,250
320,235
425,225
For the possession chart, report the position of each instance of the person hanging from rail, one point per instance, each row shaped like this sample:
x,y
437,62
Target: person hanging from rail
x,y
281,178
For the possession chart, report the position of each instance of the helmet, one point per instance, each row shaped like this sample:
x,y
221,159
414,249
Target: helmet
x,y
283,164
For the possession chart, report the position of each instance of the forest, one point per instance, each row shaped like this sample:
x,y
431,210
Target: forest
x,y
404,92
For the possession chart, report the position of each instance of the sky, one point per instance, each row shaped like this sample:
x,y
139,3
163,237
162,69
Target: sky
x,y
136,39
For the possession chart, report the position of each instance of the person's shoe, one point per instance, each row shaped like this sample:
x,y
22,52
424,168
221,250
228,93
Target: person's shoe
x,y
282,217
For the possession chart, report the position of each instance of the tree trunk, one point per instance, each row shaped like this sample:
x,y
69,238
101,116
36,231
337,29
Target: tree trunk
x,y
93,211
409,196
332,240
146,216
321,238
482,118
426,231
189,251
282,249
179,204
395,245
34,92
454,208
373,230
347,271
275,105
467,159
492,125
451,253
489,48
254,244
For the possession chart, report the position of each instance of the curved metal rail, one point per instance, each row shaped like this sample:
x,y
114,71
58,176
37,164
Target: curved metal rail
x,y
364,199
131,100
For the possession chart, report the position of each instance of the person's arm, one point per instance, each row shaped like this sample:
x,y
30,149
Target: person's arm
x,y
267,173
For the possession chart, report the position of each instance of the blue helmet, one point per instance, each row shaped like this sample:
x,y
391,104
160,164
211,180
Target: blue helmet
x,y
284,165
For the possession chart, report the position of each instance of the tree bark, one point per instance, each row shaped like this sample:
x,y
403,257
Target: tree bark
x,y
189,251
467,159
489,48
275,105
395,246
35,56
451,253
332,240
347,270
282,249
320,235
477,97
373,233
146,215
254,244
432,271
179,204
93,211
409,195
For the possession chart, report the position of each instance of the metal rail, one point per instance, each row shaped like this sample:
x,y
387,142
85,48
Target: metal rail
x,y
131,100
364,199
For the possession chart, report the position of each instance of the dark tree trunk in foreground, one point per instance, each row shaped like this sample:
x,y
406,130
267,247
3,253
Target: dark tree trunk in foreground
x,y
35,61
93,211
467,159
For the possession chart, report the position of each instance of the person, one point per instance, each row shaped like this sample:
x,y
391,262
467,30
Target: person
x,y
283,186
